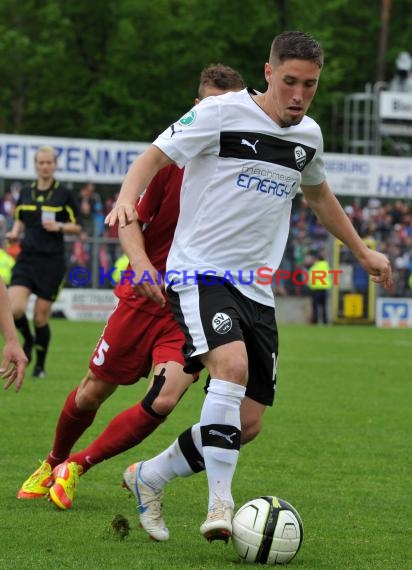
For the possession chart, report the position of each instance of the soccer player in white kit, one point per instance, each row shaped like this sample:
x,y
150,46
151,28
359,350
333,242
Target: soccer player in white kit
x,y
245,157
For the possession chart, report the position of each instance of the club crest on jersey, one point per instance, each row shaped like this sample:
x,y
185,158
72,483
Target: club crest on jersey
x,y
300,157
221,323
188,119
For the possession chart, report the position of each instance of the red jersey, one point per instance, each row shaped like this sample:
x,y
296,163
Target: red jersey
x,y
158,210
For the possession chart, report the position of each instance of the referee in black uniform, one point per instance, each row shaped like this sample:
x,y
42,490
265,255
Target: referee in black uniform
x,y
46,210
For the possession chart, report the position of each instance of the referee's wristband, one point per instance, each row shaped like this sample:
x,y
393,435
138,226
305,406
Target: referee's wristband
x,y
61,226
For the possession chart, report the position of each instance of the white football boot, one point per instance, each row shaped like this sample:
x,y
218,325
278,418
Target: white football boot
x,y
149,502
218,525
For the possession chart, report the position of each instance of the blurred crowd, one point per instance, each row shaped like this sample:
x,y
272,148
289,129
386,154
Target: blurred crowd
x,y
93,210
386,223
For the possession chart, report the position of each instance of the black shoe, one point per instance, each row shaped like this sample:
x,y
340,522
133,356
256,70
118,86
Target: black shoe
x,y
38,372
27,348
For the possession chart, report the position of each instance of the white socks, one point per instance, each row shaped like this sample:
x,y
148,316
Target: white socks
x,y
173,462
220,430
216,438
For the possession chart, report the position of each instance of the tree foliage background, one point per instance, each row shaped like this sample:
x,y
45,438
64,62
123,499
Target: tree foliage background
x,y
125,69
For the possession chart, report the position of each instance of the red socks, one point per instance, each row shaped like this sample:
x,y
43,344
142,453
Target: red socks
x,y
71,425
126,430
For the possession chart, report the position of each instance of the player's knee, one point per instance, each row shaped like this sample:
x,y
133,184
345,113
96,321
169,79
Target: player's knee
x,y
234,368
158,399
228,362
164,404
40,321
18,310
239,371
41,314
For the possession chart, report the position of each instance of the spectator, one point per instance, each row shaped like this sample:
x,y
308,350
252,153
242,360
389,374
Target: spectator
x,y
90,206
113,248
6,265
388,225
120,265
80,255
7,209
319,283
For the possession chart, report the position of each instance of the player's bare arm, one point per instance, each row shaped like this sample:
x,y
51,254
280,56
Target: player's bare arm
x,y
14,361
132,240
136,180
332,216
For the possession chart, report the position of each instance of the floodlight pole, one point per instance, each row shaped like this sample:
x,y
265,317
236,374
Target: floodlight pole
x,y
383,39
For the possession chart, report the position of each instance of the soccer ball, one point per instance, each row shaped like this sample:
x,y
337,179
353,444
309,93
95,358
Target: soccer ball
x,y
267,530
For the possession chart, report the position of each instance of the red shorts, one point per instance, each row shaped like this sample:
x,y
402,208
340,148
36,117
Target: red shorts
x,y
132,341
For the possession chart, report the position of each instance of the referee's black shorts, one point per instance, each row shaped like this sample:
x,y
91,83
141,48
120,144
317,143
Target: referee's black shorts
x,y
212,315
42,274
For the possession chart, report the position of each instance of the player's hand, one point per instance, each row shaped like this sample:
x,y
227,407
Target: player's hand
x,y
14,365
379,267
148,281
122,214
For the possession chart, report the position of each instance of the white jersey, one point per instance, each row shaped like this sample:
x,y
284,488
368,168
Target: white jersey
x,y
242,172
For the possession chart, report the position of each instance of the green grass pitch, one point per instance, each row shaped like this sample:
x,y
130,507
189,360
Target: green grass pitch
x,y
337,445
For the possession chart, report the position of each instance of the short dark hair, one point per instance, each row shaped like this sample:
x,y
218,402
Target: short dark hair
x,y
295,45
220,76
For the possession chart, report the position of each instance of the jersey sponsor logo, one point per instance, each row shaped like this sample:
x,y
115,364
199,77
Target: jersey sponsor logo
x,y
300,157
221,323
251,145
188,119
265,185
